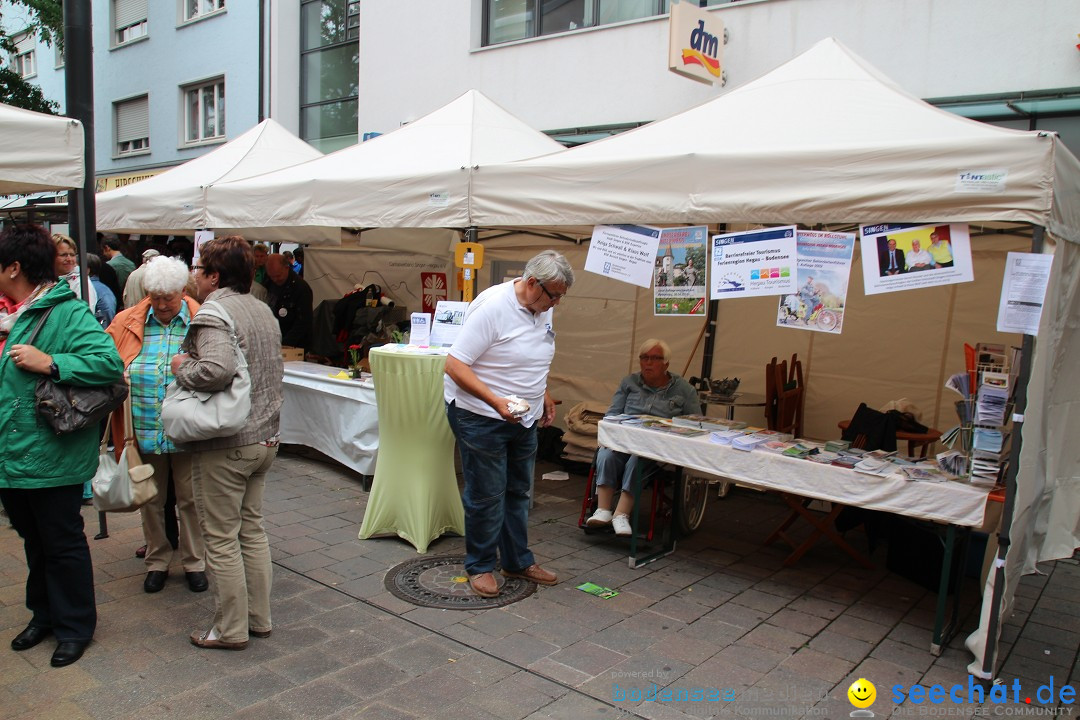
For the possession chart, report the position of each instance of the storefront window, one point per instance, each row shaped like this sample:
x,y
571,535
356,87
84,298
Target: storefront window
x,y
508,20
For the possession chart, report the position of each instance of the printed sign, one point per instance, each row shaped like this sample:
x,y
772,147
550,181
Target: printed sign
x,y
679,281
906,257
824,266
623,252
753,263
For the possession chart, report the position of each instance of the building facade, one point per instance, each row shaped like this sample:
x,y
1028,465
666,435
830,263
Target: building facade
x,y
593,66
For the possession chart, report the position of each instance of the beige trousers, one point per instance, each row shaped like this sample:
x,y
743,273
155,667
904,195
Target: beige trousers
x,y
228,487
158,550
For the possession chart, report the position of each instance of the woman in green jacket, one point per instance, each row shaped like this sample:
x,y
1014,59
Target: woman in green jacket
x,y
42,473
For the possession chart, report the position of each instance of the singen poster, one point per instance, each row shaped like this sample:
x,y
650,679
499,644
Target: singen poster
x,y
824,267
906,257
753,263
679,274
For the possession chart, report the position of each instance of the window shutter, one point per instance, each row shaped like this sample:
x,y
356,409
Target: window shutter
x,y
128,12
132,119
24,44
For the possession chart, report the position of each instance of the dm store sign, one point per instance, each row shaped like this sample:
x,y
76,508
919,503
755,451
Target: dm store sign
x,y
695,42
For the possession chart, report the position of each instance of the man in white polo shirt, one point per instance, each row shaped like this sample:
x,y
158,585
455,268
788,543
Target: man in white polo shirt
x,y
495,390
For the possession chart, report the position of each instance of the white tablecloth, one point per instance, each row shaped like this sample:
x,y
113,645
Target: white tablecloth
x,y
950,502
336,417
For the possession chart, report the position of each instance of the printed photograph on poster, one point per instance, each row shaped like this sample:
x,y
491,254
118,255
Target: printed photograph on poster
x,y
679,273
906,257
623,252
449,317
753,263
1023,291
824,267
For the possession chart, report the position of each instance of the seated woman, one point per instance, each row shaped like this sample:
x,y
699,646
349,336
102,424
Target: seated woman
x,y
653,391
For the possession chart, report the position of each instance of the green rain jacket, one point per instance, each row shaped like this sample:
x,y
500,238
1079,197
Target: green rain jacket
x,y
31,454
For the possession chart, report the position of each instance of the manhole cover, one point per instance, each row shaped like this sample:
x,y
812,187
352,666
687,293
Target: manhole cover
x,y
441,582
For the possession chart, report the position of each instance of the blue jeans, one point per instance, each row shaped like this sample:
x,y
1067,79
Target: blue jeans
x,y
497,458
615,469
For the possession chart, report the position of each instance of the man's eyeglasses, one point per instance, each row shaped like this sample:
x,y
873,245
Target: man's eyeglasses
x,y
651,358
553,298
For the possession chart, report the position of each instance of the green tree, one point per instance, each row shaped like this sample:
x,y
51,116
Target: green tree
x,y
45,21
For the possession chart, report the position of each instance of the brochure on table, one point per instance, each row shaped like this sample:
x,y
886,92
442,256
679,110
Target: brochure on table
x,y
1023,290
679,272
824,266
753,263
420,328
906,257
449,317
624,252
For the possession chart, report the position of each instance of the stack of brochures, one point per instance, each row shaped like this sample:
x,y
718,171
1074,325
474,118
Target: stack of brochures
x,y
751,441
924,473
837,445
990,406
953,462
875,466
703,422
724,437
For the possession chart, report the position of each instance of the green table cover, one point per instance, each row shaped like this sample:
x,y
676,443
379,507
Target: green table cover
x,y
414,494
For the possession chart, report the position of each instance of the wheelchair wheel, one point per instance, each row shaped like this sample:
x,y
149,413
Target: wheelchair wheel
x,y
691,494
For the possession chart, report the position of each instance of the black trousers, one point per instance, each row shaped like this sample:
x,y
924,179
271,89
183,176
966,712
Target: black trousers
x,y
60,583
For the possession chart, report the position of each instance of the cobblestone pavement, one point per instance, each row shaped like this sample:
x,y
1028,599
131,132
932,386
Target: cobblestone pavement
x,y
722,615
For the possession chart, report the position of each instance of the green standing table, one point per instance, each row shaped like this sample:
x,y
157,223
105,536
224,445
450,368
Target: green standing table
x,y
414,494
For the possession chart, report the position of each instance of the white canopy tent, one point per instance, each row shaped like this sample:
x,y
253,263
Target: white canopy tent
x,y
39,152
175,202
419,175
825,138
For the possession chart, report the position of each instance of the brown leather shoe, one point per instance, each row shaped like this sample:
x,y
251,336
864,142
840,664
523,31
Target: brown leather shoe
x,y
259,633
534,573
201,639
484,585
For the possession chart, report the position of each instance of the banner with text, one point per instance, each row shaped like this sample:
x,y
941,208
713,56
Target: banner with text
x,y
679,273
623,252
753,263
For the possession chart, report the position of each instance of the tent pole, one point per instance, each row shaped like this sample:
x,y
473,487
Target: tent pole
x,y
1020,400
710,325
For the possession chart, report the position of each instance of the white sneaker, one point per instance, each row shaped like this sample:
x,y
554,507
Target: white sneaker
x,y
599,518
622,525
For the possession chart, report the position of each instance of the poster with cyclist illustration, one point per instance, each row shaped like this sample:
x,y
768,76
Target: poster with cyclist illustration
x,y
823,260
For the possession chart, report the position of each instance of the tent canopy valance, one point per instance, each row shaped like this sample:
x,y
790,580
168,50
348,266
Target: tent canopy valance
x,y
39,152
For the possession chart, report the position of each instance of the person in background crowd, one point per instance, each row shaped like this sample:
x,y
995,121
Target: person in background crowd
x,y
260,251
290,299
298,261
505,348
108,276
134,291
147,335
229,473
111,250
41,472
653,391
67,267
105,309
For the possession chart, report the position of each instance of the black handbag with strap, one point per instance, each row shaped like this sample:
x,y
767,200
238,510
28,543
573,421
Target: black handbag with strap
x,y
67,408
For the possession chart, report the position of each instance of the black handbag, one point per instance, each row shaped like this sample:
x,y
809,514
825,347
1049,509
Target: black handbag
x,y
67,408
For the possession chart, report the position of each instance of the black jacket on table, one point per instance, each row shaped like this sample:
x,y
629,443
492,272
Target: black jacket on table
x,y
291,305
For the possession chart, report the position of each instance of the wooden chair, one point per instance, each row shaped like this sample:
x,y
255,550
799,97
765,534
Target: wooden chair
x,y
785,396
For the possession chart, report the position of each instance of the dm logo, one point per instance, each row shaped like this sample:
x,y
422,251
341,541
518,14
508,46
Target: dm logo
x,y
704,50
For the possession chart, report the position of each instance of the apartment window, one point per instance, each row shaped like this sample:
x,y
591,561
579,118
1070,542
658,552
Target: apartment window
x,y
204,111
195,9
24,60
129,20
329,72
132,123
507,20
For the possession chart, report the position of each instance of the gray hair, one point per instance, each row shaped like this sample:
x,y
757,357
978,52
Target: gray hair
x,y
654,342
165,275
549,266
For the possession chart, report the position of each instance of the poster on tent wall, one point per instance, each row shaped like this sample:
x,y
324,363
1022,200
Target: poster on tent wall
x,y
1023,290
753,263
824,267
623,252
679,271
906,257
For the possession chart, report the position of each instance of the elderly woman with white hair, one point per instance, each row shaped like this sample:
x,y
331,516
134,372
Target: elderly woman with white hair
x,y
147,335
653,391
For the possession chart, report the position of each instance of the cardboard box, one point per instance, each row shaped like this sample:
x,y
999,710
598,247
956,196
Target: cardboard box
x,y
290,354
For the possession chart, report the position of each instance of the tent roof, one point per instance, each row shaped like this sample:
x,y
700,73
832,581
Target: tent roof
x,y
175,200
823,138
38,151
415,176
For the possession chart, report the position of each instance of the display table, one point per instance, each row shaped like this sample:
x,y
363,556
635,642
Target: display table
x,y
415,494
953,503
334,416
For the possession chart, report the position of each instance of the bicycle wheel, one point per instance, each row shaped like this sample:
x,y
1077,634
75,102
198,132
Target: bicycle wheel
x,y
691,494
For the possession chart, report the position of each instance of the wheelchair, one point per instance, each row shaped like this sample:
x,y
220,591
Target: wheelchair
x,y
673,493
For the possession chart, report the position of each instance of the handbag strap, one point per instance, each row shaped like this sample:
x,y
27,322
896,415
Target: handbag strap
x,y
37,328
